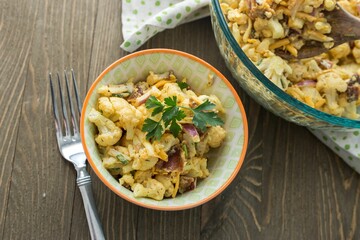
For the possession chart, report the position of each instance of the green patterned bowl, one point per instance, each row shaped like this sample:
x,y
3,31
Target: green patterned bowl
x,y
260,88
224,163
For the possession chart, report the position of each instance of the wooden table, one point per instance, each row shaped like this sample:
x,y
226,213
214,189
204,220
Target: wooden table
x,y
291,186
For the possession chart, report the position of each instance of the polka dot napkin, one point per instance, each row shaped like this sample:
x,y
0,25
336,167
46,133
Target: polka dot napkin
x,y
142,19
346,144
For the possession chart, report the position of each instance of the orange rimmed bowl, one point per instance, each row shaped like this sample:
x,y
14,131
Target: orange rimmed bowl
x,y
224,163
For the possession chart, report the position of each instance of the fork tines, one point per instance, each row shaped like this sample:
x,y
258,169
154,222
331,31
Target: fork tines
x,y
65,126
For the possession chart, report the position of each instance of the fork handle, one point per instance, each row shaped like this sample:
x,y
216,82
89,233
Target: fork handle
x,y
84,183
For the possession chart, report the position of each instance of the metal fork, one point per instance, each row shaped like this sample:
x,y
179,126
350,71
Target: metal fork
x,y
69,142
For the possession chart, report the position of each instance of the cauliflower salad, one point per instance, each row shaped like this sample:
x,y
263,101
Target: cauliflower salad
x,y
153,135
329,82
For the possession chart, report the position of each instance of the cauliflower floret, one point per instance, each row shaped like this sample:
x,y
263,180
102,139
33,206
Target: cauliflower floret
x,y
269,28
150,149
196,167
127,180
213,138
231,3
151,188
350,108
356,51
340,51
109,133
276,29
141,176
329,5
172,89
276,69
296,23
331,84
144,163
216,136
154,78
298,71
312,69
323,27
312,97
235,15
105,106
313,3
166,181
129,117
112,164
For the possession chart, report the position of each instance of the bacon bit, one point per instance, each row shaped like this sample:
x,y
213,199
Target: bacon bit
x,y
187,184
138,91
352,93
352,44
353,89
174,163
354,79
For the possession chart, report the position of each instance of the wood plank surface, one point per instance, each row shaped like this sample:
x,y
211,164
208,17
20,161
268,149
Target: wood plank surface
x,y
15,19
40,202
291,186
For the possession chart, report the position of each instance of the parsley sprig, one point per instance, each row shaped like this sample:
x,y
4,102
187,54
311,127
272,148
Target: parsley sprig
x,y
172,113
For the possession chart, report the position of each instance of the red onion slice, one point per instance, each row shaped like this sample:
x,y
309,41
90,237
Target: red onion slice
x,y
307,83
190,129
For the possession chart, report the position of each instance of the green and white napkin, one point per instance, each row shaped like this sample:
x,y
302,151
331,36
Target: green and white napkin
x,y
346,144
142,19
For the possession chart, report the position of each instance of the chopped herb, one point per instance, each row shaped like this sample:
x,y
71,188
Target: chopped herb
x,y
203,116
122,159
185,149
121,95
183,85
152,102
117,95
171,113
154,129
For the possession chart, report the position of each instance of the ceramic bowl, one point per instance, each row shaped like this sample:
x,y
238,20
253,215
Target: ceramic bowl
x,y
224,163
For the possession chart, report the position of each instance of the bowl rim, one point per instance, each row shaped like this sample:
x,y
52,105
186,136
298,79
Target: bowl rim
x,y
205,64
282,95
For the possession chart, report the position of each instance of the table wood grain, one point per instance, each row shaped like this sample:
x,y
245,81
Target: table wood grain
x,y
291,186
